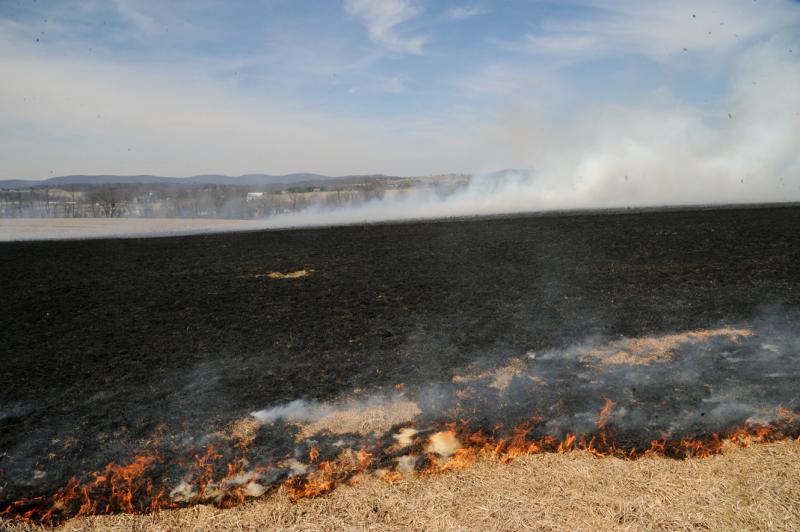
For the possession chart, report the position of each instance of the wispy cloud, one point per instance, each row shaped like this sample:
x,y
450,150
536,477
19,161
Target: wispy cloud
x,y
238,87
139,118
139,20
382,18
464,12
394,84
657,31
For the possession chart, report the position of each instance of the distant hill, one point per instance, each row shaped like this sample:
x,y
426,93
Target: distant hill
x,y
206,179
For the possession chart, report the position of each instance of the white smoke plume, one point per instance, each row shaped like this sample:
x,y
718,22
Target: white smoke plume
x,y
297,410
740,149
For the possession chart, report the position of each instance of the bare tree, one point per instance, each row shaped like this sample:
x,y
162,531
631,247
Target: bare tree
x,y
74,203
109,202
373,189
45,202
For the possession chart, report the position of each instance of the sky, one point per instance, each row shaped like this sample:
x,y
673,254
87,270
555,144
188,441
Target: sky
x,y
577,92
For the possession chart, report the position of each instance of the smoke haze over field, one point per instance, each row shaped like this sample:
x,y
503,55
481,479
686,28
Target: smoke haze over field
x,y
740,149
595,104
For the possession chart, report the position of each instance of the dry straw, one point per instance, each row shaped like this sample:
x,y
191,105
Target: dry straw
x,y
751,488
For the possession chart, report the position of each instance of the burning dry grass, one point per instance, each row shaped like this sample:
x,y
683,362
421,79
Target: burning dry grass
x,y
351,416
362,419
647,350
243,431
640,351
499,378
364,454
756,487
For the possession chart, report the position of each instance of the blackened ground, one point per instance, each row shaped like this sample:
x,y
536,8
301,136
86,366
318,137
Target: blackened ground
x,y
107,344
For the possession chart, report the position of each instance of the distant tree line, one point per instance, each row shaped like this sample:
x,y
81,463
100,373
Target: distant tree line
x,y
199,201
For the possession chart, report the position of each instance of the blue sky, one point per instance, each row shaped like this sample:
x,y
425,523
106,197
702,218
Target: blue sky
x,y
352,86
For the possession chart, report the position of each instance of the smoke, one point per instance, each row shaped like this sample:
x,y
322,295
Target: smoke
x,y
741,148
676,385
350,415
630,393
297,410
659,150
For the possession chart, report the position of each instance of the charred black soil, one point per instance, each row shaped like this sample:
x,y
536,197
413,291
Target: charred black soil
x,y
109,346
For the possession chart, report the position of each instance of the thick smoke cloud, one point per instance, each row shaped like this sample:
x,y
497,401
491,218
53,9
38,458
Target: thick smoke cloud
x,y
741,148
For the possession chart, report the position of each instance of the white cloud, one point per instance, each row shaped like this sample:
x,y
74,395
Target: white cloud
x,y
657,30
464,12
76,115
382,18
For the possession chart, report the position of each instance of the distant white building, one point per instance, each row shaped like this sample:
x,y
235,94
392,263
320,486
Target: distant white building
x,y
255,196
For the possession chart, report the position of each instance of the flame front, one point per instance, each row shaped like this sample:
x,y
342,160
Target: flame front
x,y
137,487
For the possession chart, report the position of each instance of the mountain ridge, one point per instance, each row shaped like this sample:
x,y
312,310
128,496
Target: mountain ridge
x,y
200,179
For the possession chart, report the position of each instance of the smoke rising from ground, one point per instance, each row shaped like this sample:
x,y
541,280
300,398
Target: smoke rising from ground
x,y
658,150
676,385
741,148
632,392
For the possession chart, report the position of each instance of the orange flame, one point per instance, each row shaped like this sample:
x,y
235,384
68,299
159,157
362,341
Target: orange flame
x,y
313,454
605,414
131,488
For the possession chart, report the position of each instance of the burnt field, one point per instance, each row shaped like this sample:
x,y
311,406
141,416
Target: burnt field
x,y
184,355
